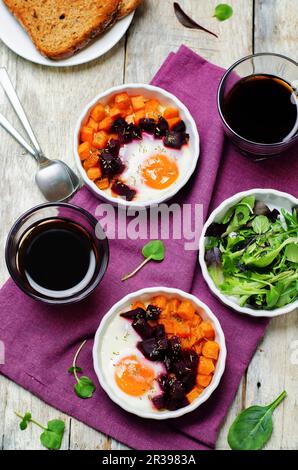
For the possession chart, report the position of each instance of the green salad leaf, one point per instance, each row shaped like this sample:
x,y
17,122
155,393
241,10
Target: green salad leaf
x,y
253,427
84,387
253,254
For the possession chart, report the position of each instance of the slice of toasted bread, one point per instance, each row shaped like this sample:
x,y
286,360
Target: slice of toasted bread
x,y
59,28
127,6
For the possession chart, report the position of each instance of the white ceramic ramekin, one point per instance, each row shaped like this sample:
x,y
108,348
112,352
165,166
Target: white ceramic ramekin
x,y
148,91
145,295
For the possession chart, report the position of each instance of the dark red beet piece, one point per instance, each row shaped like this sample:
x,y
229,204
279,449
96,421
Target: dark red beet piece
x,y
118,125
159,402
175,140
136,133
134,314
180,127
123,190
147,125
114,147
174,349
163,382
111,165
176,395
159,331
153,312
161,127
154,349
143,328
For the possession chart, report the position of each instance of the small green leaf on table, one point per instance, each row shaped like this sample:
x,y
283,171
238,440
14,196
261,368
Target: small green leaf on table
x,y
84,387
152,251
51,436
253,427
223,12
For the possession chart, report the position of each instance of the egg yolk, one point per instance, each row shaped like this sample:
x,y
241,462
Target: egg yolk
x,y
133,377
159,172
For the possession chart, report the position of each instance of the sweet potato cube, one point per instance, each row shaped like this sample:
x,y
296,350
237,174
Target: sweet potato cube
x,y
160,301
115,113
94,173
182,329
92,161
139,115
203,380
130,119
174,305
105,124
138,305
170,113
93,124
100,140
170,327
186,310
103,183
196,320
194,394
98,113
211,350
207,330
199,347
173,122
206,366
152,105
138,102
122,101
87,134
84,150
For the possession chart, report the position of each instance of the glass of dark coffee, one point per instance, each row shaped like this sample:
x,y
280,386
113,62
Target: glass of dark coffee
x,y
258,104
57,253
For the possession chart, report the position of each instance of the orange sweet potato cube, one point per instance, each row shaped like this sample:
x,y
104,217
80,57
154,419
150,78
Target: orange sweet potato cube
x,y
94,173
98,113
173,122
115,113
100,140
207,330
138,102
170,113
203,380
122,101
194,394
173,305
206,366
139,115
91,161
87,134
211,350
160,301
103,183
84,150
105,124
138,304
186,310
93,124
152,105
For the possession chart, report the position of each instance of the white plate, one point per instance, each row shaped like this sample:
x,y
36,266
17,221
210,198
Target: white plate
x,y
274,200
16,38
167,99
145,295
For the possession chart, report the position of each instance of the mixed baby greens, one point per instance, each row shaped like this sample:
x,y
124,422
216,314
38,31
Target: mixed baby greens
x,y
253,254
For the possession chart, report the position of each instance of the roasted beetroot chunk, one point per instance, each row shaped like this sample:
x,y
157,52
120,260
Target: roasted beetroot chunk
x,y
134,314
159,332
142,327
161,128
118,126
110,165
159,402
114,147
175,140
153,312
154,349
174,349
180,127
147,125
123,190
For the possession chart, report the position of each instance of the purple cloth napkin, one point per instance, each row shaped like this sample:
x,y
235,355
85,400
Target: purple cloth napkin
x,y
40,340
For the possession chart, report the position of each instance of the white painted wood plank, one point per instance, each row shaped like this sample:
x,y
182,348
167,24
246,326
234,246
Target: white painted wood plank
x,y
271,370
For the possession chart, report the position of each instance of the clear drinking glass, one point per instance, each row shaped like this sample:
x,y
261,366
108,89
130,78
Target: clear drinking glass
x,y
67,213
263,63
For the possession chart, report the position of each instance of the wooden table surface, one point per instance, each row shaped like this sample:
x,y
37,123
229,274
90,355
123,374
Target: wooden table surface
x,y
53,98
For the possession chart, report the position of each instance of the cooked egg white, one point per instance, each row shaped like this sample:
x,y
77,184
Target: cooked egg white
x,y
126,371
153,169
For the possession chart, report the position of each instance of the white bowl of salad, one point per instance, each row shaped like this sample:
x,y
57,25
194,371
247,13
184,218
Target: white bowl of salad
x,y
249,252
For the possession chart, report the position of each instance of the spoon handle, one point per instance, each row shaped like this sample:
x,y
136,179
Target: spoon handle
x,y
16,104
14,133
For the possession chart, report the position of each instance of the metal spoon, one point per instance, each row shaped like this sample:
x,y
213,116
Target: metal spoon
x,y
55,179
